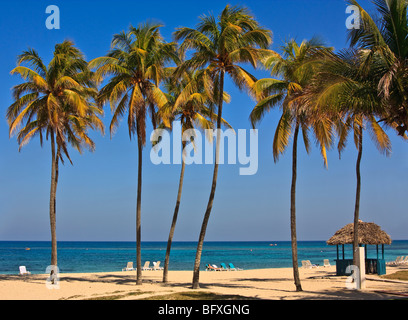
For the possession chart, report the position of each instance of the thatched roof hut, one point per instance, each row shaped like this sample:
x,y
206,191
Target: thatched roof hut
x,y
368,233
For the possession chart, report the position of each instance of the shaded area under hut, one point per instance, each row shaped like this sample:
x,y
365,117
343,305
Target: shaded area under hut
x,y
368,234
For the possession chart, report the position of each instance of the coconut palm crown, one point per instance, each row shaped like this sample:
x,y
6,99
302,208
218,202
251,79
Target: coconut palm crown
x,y
386,40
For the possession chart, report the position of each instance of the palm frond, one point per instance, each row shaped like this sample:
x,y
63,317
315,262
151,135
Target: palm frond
x,y
282,135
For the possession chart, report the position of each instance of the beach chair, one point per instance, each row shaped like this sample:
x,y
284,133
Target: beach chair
x,y
129,267
405,261
233,268
146,266
224,267
326,263
308,265
23,271
395,262
312,265
213,267
156,266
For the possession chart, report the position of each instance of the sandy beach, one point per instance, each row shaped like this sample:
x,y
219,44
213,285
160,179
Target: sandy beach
x,y
272,284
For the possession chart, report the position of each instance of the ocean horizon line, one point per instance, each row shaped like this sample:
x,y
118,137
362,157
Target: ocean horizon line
x,y
189,241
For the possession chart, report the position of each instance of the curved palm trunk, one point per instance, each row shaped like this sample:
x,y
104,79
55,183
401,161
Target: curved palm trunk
x,y
138,215
196,273
173,224
53,196
357,204
293,212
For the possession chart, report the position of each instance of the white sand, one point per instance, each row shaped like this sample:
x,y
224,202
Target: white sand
x,y
317,283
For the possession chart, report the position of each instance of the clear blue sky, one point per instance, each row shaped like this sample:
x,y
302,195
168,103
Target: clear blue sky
x,y
96,197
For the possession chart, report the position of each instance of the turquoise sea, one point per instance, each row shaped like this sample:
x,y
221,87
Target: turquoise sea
x,y
77,257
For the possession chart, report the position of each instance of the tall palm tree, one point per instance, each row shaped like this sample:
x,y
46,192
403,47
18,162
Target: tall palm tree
x,y
349,88
385,38
55,102
357,123
219,45
294,69
190,98
137,64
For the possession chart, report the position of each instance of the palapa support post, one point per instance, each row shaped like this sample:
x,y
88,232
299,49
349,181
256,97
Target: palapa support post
x,y
361,284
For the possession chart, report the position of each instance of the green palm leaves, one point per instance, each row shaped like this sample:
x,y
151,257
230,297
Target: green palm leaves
x,y
344,89
385,42
294,71
221,44
136,66
191,100
55,99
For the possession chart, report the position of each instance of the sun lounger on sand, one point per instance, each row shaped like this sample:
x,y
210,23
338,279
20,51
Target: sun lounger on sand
x,y
308,265
156,266
129,267
400,261
233,268
23,271
326,263
146,266
213,267
224,267
396,262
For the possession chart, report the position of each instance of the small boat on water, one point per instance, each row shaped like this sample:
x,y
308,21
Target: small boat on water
x,y
27,249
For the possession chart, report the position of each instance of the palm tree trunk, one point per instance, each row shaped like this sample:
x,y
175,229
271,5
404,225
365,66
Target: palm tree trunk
x,y
293,212
196,274
173,224
357,204
53,193
138,215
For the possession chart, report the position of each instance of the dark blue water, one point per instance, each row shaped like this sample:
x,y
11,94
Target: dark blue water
x,y
113,256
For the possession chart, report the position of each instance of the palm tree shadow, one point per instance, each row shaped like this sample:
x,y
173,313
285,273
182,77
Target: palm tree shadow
x,y
114,279
347,295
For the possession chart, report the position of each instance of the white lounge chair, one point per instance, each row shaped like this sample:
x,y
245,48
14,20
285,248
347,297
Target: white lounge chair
x,y
156,266
405,261
23,271
129,267
326,263
146,266
209,267
308,265
216,267
395,262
